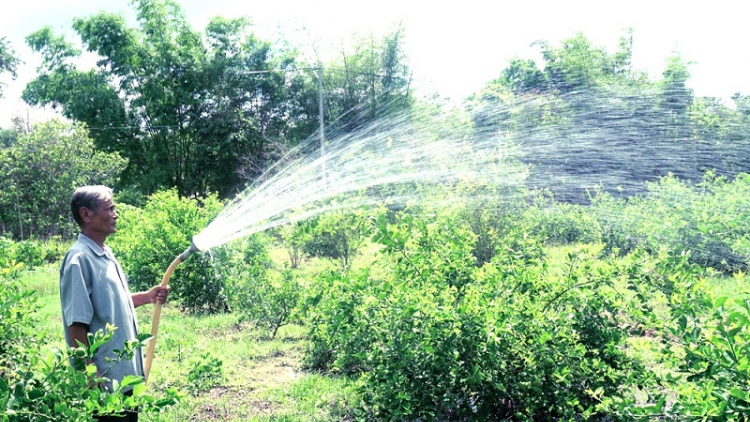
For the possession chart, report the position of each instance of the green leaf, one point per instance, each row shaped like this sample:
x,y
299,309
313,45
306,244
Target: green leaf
x,y
131,380
139,389
739,317
720,302
738,393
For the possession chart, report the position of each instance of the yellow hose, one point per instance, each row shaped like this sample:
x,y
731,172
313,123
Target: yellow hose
x,y
157,315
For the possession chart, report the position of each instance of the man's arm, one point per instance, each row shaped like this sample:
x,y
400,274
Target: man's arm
x,y
78,331
157,294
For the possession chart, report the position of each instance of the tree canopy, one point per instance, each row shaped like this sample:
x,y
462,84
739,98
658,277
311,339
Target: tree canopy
x,y
40,172
585,119
201,112
8,60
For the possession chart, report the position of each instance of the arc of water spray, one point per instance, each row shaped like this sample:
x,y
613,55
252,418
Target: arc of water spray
x,y
396,151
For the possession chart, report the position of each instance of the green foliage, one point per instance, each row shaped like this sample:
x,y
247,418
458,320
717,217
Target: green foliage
x,y
491,218
32,253
37,386
205,372
716,380
185,109
41,171
8,60
259,294
583,116
149,239
707,220
196,110
335,235
440,338
15,304
294,236
271,302
367,81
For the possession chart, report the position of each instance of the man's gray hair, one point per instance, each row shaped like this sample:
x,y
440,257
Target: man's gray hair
x,y
89,197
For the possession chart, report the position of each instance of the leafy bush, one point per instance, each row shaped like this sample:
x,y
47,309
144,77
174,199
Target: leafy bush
x,y
558,223
708,220
32,253
716,365
15,309
268,298
294,236
440,338
149,239
7,252
335,235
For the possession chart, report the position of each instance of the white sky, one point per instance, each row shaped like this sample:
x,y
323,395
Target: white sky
x,y
454,47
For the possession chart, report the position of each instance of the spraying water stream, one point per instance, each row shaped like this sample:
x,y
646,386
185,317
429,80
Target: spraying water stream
x,y
577,144
380,162
572,145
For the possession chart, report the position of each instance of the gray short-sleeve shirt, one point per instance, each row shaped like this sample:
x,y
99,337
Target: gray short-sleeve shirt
x,y
94,291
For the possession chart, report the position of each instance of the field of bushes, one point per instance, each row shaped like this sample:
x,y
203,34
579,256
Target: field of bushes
x,y
484,309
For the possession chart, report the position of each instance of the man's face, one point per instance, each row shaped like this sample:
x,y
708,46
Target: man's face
x,y
104,221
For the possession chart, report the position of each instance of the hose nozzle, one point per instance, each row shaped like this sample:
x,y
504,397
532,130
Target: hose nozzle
x,y
189,251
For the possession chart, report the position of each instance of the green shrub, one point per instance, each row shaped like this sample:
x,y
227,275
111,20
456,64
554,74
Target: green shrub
x,y
490,215
149,239
15,313
205,372
708,220
561,224
294,236
440,338
268,298
715,372
336,235
31,252
7,251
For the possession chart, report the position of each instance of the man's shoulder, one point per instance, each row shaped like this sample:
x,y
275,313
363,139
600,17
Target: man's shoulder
x,y
79,251
86,246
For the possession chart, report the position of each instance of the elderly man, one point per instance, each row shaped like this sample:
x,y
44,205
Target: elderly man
x,y
94,289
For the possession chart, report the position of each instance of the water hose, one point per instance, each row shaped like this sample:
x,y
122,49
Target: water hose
x,y
157,307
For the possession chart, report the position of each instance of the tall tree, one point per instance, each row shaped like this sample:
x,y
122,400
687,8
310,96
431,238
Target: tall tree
x,y
584,117
368,81
40,169
8,61
182,106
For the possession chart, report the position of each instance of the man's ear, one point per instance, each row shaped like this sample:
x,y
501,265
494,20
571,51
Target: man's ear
x,y
86,214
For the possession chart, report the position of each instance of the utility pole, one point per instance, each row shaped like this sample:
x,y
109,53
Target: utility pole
x,y
322,124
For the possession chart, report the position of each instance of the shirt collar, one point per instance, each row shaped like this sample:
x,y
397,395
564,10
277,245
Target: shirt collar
x,y
92,245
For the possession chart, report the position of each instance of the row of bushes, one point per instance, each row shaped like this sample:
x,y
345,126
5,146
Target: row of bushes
x,y
430,332
31,253
708,219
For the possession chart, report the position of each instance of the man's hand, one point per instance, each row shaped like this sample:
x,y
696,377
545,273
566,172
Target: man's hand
x,y
156,294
